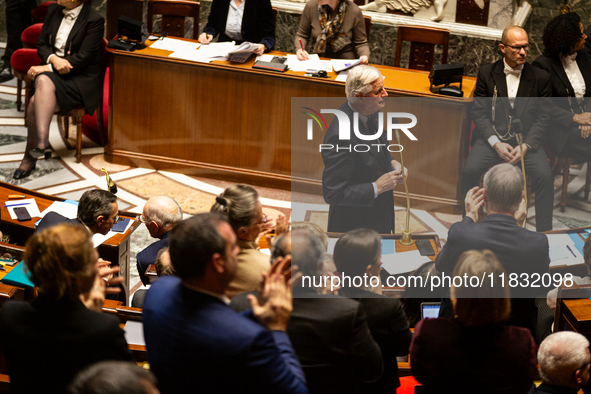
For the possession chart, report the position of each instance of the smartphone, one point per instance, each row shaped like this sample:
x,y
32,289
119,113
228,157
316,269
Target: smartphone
x,y
22,214
425,248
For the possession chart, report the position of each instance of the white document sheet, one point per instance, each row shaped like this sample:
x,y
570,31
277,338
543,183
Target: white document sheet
x,y
172,44
313,63
402,262
98,239
134,333
63,208
28,203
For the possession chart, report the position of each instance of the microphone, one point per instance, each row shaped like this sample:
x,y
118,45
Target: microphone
x,y
111,186
406,238
518,130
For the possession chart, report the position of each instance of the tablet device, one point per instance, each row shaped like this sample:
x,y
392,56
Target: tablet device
x,y
430,310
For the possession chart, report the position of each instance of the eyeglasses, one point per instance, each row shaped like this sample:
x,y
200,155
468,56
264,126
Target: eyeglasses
x,y
116,219
518,48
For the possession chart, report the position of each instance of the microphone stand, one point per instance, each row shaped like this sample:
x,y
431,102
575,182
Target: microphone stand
x,y
406,238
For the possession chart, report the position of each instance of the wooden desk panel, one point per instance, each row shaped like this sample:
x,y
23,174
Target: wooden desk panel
x,y
230,121
115,249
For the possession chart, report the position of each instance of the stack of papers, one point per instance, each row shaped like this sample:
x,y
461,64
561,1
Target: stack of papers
x,y
207,53
243,52
344,64
313,63
563,250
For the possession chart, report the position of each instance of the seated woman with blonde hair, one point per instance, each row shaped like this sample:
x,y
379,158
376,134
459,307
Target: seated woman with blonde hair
x,y
474,352
245,214
47,341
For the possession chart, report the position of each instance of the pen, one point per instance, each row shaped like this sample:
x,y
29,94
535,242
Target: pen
x,y
301,45
17,205
570,250
16,196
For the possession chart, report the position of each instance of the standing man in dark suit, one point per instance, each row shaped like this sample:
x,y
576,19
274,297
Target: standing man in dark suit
x,y
160,215
519,250
18,18
516,89
195,341
358,185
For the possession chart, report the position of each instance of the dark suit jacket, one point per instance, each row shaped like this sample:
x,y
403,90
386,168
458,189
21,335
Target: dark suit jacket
x,y
46,344
258,22
53,218
533,112
547,389
148,256
83,50
562,116
333,342
389,328
196,342
519,251
447,357
347,182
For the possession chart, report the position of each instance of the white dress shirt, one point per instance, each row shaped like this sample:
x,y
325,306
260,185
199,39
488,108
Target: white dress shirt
x,y
512,76
573,72
363,119
63,31
234,21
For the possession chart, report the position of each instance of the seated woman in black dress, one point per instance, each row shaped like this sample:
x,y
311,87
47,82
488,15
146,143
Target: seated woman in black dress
x,y
569,66
47,341
336,28
69,75
474,353
240,21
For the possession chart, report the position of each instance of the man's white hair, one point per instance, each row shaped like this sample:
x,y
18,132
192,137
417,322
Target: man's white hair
x,y
560,355
359,81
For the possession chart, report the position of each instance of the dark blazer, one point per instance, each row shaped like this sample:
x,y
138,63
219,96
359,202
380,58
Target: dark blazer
x,y
562,116
389,328
519,251
333,342
46,344
148,256
83,50
195,341
447,357
52,219
347,182
258,22
533,112
547,389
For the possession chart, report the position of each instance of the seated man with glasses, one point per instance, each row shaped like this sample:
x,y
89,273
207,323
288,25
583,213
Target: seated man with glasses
x,y
510,105
564,363
160,215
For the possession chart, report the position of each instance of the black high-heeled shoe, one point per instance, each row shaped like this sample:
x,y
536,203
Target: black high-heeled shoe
x,y
37,153
20,174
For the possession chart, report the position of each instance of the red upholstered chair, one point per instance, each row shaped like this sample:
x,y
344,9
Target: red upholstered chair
x,y
21,60
31,35
79,112
40,12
